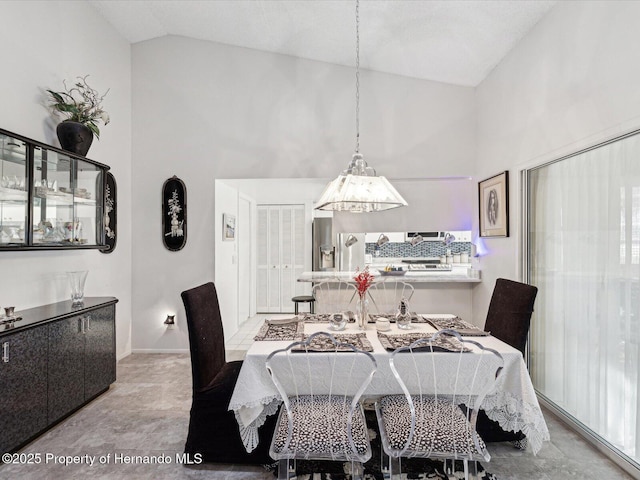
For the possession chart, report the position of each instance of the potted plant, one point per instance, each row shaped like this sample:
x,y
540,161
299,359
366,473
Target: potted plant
x,y
83,107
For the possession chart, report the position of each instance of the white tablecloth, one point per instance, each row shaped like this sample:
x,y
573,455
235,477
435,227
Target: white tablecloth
x,y
513,402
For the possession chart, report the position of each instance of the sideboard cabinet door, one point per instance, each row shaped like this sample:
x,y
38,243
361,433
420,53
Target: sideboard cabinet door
x,y
23,381
100,351
66,366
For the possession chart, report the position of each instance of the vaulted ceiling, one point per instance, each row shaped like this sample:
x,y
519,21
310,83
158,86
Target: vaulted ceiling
x,y
451,41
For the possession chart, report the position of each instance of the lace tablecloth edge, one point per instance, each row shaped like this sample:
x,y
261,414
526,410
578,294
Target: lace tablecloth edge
x,y
536,431
249,433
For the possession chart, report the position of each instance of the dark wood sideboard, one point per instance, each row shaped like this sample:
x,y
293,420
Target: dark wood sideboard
x,y
53,361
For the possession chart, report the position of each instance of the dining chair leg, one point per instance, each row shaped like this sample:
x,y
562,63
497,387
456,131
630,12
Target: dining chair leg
x,y
473,469
449,466
391,467
384,464
357,470
395,467
286,469
465,464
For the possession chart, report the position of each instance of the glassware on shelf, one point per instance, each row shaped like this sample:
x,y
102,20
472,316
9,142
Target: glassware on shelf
x,y
13,233
76,281
59,194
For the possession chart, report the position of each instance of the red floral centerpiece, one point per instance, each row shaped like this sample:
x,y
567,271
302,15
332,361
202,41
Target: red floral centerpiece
x,y
363,280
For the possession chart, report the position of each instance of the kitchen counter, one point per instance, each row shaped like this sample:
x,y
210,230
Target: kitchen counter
x,y
434,291
456,275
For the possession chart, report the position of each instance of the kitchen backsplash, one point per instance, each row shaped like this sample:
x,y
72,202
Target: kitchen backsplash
x,y
424,249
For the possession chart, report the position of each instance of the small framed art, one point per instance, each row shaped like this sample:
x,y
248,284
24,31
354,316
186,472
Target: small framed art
x,y
493,196
228,227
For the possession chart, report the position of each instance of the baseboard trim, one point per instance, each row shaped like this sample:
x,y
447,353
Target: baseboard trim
x,y
160,350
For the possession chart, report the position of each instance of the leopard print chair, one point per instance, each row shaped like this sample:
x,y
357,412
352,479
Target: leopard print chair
x,y
334,296
386,296
436,415
322,417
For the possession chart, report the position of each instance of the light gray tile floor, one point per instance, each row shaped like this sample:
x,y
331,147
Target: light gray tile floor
x,y
146,413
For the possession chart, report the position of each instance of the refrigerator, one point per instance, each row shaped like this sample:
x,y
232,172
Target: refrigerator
x,y
350,249
324,250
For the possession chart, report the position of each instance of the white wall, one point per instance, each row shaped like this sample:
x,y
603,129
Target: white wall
x,y
204,111
226,259
40,49
573,81
434,204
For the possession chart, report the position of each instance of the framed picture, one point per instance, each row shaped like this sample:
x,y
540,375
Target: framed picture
x,y
174,214
493,195
228,227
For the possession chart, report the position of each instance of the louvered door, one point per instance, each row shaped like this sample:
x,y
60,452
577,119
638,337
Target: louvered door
x,y
262,259
274,239
280,256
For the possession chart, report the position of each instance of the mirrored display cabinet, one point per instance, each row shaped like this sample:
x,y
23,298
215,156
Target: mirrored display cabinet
x,y
49,198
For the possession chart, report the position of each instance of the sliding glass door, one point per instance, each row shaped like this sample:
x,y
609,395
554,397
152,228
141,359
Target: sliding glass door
x,y
583,253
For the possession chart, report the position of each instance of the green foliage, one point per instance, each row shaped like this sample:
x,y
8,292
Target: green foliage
x,y
81,103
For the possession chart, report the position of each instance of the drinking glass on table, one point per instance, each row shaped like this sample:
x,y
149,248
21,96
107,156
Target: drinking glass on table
x,y
337,321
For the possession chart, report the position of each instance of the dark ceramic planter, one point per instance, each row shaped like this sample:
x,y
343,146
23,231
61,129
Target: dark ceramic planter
x,y
74,137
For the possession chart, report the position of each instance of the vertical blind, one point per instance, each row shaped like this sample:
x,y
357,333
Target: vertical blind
x,y
584,256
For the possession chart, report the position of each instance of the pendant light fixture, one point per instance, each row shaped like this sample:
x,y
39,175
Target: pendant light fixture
x,y
358,188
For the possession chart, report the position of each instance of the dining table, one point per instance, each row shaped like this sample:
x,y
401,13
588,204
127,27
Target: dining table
x,y
512,402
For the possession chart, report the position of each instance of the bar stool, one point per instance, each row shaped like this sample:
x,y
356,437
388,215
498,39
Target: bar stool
x,y
310,299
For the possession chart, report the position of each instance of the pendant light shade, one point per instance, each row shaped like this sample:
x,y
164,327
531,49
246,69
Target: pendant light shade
x,y
359,192
359,189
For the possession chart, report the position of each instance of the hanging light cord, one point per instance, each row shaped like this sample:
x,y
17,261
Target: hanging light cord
x,y
358,166
357,76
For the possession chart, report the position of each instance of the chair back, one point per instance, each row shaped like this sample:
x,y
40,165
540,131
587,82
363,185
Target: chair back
x,y
329,384
386,295
206,336
509,314
447,380
334,296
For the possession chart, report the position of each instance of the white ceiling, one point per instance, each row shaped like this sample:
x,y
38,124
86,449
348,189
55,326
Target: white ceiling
x,y
452,41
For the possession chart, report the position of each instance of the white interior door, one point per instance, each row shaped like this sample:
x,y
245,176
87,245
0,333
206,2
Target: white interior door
x,y
262,259
274,238
280,256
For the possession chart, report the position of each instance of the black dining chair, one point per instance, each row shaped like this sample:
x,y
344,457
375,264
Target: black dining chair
x,y
213,429
508,319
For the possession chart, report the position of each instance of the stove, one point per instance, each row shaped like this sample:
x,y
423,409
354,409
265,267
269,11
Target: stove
x,y
427,265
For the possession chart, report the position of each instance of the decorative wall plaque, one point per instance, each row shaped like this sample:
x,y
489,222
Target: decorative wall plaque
x,y
110,213
174,214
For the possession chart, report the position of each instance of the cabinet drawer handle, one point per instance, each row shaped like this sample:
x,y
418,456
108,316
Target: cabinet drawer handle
x,y
5,352
88,327
82,327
